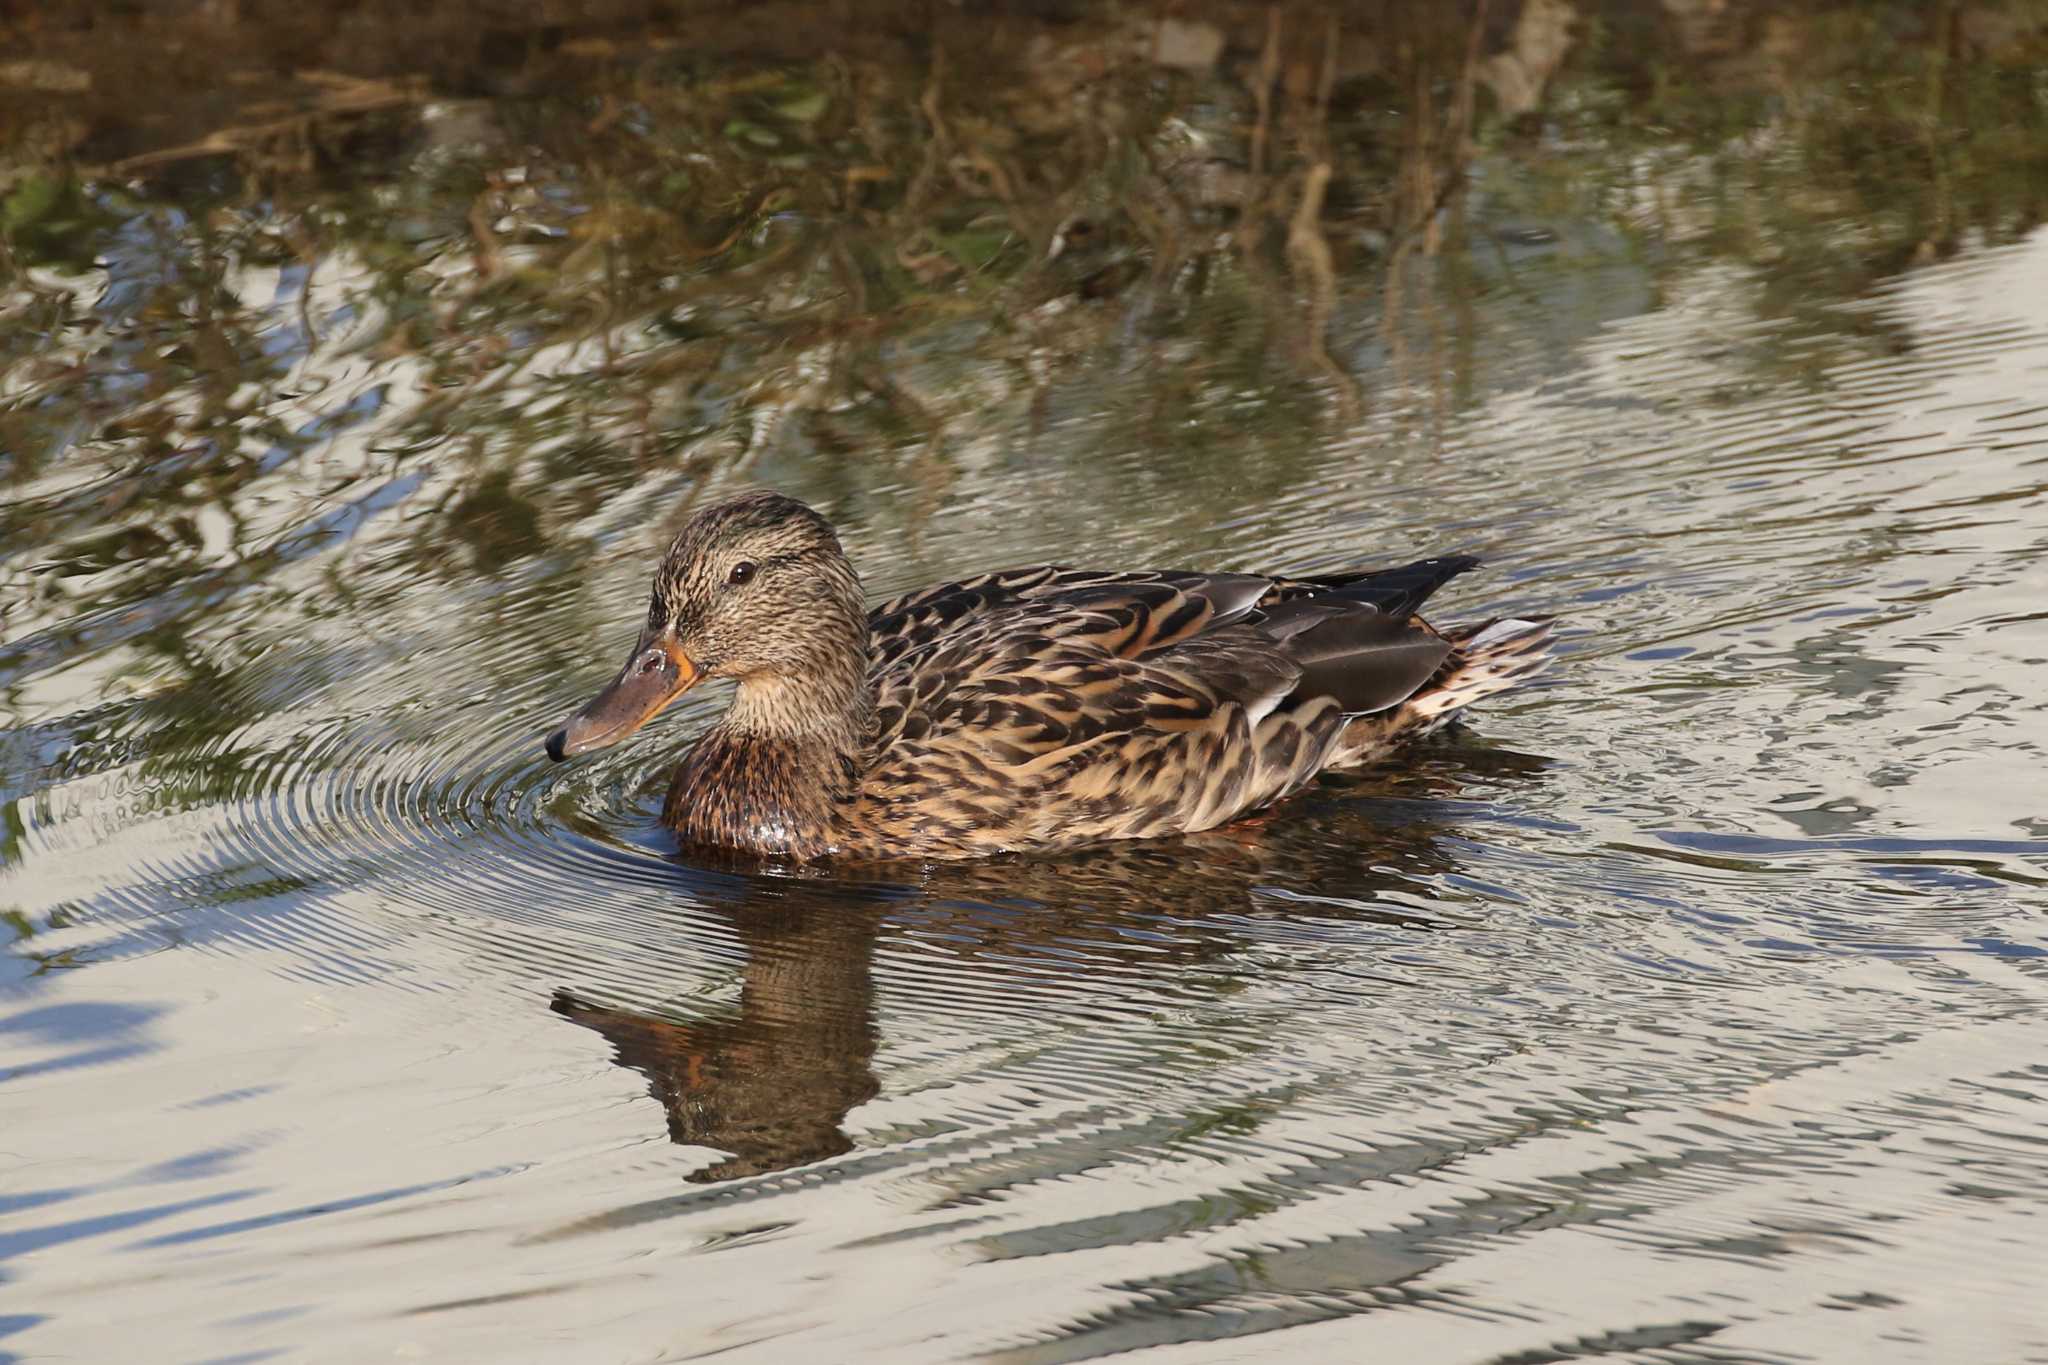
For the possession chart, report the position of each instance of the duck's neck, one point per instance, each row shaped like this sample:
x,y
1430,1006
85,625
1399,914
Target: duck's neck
x,y
774,772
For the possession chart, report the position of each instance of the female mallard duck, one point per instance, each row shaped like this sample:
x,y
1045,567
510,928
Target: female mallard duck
x,y
1028,709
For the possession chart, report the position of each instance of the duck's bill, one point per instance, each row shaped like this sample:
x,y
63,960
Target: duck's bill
x,y
656,675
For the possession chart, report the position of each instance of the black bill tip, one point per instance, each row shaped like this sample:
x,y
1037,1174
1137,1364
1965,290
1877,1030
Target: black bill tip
x,y
557,742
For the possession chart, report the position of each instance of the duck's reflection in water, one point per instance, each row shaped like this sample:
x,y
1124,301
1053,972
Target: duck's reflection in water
x,y
773,1085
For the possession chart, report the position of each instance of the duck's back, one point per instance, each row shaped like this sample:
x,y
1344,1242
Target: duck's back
x,y
1048,707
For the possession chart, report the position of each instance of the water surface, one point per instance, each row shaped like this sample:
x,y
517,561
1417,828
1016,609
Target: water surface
x,y
1689,1007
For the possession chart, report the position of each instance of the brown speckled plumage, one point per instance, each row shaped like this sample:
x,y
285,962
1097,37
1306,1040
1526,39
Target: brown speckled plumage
x,y
1034,708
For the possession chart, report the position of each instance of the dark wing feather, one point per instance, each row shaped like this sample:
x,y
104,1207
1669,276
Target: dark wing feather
x,y
1397,592
1367,660
1234,595
1356,635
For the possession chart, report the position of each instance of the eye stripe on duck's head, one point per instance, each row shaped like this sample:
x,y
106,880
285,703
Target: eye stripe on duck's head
x,y
763,529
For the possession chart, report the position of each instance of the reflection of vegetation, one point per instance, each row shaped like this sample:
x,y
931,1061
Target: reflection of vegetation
x,y
706,247
47,219
1827,149
703,226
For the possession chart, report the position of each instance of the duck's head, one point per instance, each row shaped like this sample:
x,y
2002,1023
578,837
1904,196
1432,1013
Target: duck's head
x,y
754,588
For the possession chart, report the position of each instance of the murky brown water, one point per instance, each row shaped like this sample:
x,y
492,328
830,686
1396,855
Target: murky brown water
x,y
1693,1007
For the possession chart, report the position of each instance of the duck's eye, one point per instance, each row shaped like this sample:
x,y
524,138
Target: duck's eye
x,y
742,573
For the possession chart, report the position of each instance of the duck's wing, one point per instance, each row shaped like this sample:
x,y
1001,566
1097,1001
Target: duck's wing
x,y
1057,706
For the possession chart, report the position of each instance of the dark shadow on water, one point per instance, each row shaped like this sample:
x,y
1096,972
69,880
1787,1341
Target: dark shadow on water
x,y
16,1322
94,1032
773,1084
29,1240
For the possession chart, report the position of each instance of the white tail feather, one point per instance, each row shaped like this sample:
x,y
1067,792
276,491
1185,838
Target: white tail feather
x,y
1501,655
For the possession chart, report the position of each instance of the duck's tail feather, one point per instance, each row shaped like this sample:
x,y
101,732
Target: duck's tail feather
x,y
1486,658
1490,657
1399,591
